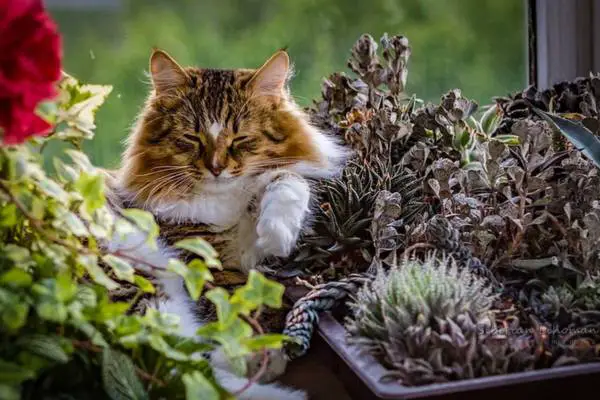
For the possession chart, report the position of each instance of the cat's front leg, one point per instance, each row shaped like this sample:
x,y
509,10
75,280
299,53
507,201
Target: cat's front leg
x,y
283,209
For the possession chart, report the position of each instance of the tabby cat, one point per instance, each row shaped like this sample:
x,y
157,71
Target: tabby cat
x,y
228,155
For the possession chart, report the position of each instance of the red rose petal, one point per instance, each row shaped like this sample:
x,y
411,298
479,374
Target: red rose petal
x,y
30,65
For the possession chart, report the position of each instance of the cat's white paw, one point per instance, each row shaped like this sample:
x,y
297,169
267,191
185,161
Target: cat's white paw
x,y
276,238
283,209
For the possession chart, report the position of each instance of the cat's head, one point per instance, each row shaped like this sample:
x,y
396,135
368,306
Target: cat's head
x,y
210,127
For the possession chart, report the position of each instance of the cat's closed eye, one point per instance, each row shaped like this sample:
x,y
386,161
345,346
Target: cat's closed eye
x,y
242,143
193,138
189,142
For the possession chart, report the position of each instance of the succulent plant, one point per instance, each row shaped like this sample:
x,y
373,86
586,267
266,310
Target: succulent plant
x,y
418,292
582,96
443,235
430,321
587,294
340,240
494,188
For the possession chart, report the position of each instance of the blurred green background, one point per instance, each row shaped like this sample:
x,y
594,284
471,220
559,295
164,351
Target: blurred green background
x,y
478,46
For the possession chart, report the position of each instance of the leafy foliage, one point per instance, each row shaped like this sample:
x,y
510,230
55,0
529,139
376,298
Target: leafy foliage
x,y
509,191
63,335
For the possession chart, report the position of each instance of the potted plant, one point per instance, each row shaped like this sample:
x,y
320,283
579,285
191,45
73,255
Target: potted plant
x,y
458,250
64,333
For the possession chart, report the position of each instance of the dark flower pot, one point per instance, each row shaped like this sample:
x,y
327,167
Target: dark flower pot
x,y
362,375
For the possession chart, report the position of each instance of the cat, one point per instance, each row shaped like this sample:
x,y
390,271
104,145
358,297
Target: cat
x,y
230,154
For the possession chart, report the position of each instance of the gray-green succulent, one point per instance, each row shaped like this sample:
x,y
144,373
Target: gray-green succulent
x,y
417,293
431,321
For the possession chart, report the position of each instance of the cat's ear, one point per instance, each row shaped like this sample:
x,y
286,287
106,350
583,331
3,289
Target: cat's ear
x,y
270,79
166,73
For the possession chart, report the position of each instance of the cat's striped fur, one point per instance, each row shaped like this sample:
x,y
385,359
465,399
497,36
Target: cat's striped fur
x,y
226,155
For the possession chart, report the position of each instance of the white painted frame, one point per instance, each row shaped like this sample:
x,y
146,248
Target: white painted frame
x,y
567,40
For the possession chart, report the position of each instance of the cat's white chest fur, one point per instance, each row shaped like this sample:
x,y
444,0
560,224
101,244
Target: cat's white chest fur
x,y
219,204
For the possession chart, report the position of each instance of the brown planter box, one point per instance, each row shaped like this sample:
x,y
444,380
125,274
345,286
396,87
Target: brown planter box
x,y
361,375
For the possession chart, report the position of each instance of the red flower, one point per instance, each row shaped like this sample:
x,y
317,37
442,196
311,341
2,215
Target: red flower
x,y
30,65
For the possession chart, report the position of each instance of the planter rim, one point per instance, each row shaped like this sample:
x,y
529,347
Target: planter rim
x,y
371,371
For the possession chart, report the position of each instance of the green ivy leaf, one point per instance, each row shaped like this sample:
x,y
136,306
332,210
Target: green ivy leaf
x,y
123,228
81,160
86,296
37,207
9,392
16,277
84,104
66,287
51,347
8,215
47,110
159,344
257,291
268,340
119,377
70,92
122,269
129,325
73,224
91,187
146,222
14,316
177,266
232,338
91,332
53,190
202,248
198,387
110,311
14,373
17,254
195,274
90,263
162,322
65,172
52,310
17,166
226,311
144,284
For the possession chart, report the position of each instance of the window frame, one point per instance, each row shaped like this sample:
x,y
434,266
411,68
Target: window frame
x,y
556,55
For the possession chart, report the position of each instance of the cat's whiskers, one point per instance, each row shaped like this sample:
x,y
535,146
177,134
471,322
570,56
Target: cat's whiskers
x,y
168,167
163,168
263,165
165,179
172,187
157,184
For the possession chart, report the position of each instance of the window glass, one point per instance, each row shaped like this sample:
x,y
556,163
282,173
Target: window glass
x,y
478,46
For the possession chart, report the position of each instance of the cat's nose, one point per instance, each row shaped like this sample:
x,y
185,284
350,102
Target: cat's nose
x,y
215,169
